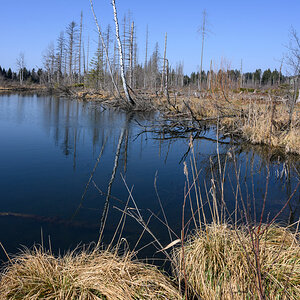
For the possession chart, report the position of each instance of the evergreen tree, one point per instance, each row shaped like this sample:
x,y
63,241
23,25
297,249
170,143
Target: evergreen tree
x,y
266,77
9,74
257,75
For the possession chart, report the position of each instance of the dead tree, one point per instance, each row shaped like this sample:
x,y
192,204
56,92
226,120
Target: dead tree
x,y
79,49
241,75
203,31
128,97
21,66
210,75
105,49
108,30
167,80
146,59
293,62
59,56
87,55
49,60
164,65
71,33
131,53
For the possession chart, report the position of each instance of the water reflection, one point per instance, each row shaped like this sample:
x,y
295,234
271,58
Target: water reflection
x,y
61,163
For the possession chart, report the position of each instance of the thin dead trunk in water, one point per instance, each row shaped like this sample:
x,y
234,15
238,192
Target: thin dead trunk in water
x,y
105,49
128,98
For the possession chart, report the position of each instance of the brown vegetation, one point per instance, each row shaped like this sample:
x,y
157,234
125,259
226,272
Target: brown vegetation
x,y
220,264
37,274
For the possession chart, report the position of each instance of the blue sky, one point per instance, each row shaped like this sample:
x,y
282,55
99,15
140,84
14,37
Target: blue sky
x,y
253,31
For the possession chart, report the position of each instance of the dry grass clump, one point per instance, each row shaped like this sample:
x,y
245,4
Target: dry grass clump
x,y
264,127
37,274
219,263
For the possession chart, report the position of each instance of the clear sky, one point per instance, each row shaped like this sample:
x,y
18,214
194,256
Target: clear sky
x,y
254,31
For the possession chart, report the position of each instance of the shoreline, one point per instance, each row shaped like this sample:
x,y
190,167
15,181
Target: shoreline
x,y
249,116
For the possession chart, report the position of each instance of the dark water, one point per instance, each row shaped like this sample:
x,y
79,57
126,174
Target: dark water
x,y
49,147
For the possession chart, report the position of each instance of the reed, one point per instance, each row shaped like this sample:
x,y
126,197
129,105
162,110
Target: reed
x,y
230,259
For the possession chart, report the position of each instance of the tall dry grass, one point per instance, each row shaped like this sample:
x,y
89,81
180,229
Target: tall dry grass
x,y
220,263
221,259
268,124
38,274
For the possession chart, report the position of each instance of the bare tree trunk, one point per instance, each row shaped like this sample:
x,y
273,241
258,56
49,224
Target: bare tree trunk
x,y
241,75
87,55
124,42
167,81
60,54
107,44
105,49
293,100
203,29
84,66
128,98
114,61
146,58
79,50
280,72
21,66
135,63
163,71
131,56
71,40
210,75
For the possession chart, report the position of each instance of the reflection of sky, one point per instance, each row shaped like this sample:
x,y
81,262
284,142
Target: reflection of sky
x,y
49,147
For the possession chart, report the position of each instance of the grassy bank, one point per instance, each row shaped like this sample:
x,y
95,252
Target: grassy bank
x,y
17,88
217,262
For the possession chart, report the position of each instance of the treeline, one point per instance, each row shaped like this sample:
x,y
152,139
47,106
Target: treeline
x,y
29,76
236,78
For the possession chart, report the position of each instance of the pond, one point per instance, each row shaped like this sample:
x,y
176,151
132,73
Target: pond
x,y
58,156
